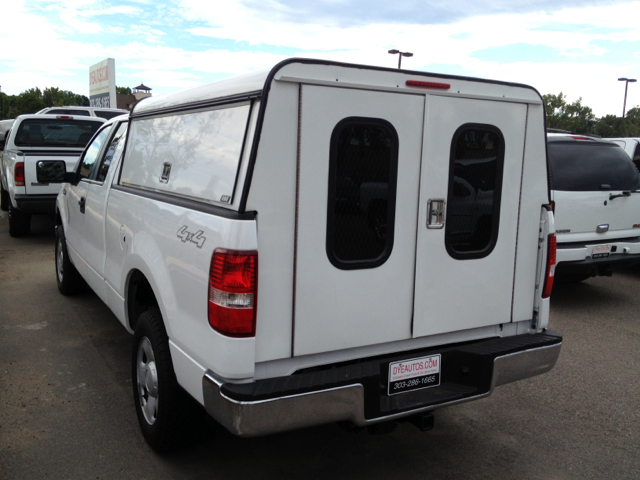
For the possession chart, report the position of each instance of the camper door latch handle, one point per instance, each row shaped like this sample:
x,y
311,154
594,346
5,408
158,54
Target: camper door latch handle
x,y
435,209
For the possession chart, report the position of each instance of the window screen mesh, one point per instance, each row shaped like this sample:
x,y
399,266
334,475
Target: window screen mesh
x,y
474,191
362,193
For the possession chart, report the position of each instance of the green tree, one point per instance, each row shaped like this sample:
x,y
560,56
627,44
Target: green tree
x,y
123,90
51,97
632,122
573,117
29,101
609,126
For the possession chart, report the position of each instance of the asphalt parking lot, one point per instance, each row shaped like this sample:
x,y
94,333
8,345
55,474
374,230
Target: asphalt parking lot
x,y
66,407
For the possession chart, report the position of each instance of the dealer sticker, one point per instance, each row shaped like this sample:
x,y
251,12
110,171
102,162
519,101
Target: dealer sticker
x,y
414,374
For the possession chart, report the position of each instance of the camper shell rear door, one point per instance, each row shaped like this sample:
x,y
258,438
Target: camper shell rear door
x,y
374,264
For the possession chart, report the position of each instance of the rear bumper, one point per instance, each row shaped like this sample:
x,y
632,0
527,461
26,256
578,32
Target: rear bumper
x,y
357,392
36,203
577,259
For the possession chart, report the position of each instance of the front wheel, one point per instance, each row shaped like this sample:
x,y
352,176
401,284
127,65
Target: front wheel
x,y
69,280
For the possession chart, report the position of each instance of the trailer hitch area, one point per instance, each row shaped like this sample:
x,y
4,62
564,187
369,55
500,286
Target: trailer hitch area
x,y
424,421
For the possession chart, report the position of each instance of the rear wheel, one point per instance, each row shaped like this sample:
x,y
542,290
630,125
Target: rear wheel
x,y
4,199
69,280
165,411
19,222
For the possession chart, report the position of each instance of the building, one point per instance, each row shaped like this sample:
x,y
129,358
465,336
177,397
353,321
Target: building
x,y
128,101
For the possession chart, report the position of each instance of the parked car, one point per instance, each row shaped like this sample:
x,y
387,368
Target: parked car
x,y
5,126
596,191
35,143
631,146
106,113
229,228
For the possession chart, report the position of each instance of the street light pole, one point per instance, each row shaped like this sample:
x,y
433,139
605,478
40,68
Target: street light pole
x,y
624,105
400,55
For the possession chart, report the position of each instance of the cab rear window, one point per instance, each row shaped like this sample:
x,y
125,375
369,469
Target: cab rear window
x,y
55,133
583,166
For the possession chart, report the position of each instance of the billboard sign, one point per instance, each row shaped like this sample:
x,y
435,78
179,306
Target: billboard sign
x,y
102,84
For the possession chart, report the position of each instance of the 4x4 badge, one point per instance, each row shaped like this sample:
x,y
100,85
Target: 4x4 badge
x,y
186,236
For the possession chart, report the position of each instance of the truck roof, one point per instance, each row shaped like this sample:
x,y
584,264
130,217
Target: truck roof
x,y
19,118
329,73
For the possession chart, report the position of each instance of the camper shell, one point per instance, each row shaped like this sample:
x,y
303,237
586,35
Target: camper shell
x,y
397,224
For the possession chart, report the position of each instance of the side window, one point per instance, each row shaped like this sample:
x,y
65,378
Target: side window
x,y
475,187
92,151
363,167
114,149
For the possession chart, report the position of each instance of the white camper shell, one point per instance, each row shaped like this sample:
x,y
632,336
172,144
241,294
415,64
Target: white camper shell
x,y
324,242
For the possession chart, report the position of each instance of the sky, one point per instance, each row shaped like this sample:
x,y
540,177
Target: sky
x,y
578,48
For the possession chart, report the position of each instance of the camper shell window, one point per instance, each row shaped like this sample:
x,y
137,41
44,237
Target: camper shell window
x,y
363,168
194,154
475,188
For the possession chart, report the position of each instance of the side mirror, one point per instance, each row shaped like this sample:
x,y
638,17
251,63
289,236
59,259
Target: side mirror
x,y
54,171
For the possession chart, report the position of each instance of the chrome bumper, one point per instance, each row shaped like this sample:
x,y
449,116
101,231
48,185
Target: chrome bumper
x,y
255,418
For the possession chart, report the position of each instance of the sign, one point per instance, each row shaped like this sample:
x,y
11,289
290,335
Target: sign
x,y
102,84
414,374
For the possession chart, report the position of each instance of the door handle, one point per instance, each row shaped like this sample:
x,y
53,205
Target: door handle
x,y
435,213
82,203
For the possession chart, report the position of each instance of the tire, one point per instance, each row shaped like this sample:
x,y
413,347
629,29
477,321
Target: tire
x,y
166,413
70,282
4,199
19,222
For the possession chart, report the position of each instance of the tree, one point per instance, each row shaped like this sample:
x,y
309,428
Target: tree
x,y
29,101
632,122
609,126
573,117
51,97
123,90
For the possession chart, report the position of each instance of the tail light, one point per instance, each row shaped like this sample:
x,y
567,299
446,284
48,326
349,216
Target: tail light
x,y
551,266
18,174
233,292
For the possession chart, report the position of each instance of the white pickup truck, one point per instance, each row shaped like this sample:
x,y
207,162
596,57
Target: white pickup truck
x,y
321,242
34,143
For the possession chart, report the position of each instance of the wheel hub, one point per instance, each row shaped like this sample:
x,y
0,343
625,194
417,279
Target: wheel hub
x,y
147,381
151,379
60,260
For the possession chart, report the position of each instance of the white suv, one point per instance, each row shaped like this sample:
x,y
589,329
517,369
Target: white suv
x,y
596,192
106,113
